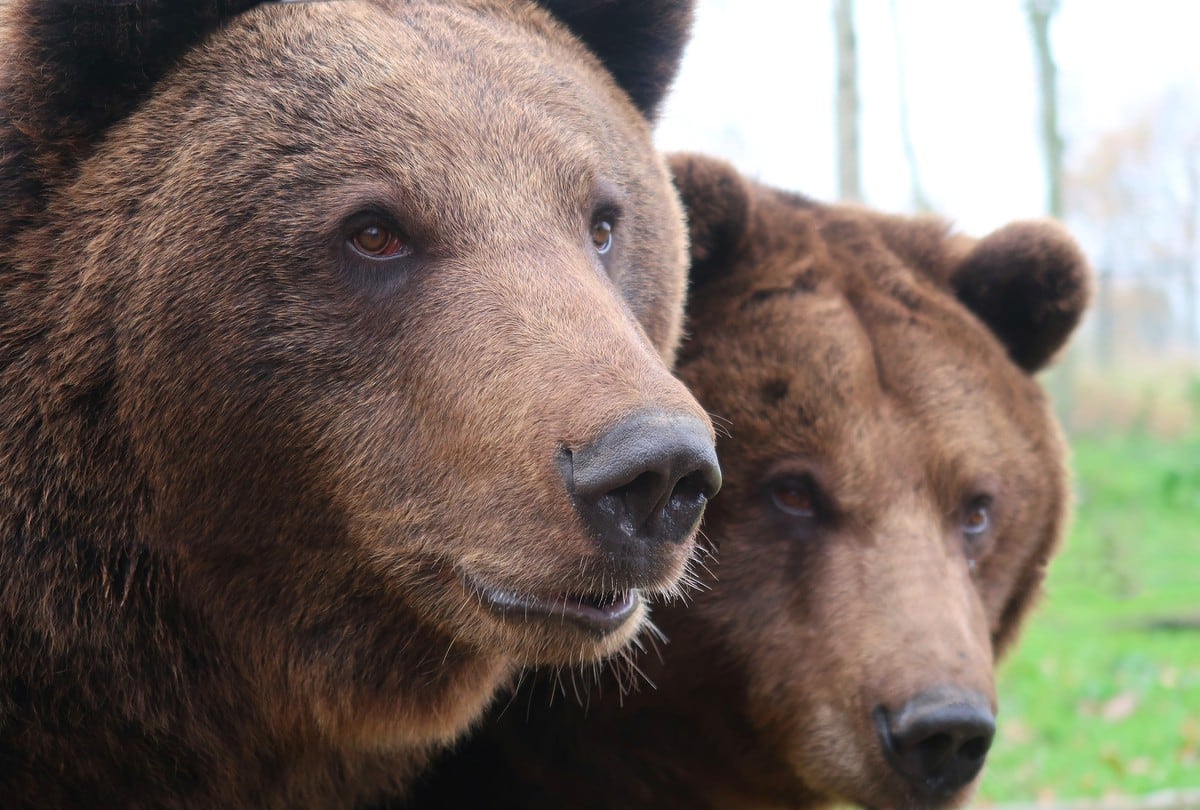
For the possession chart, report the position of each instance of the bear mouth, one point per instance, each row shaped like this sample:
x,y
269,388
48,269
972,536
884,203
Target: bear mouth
x,y
597,613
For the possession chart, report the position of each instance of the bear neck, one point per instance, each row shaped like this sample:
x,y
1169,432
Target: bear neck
x,y
679,740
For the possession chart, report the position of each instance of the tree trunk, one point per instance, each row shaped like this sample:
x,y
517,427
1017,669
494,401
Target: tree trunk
x,y
849,183
1041,12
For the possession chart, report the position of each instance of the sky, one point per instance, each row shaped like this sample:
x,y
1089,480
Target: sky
x,y
757,87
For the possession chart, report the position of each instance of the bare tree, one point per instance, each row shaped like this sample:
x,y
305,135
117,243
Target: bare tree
x,y
1041,13
849,181
1135,198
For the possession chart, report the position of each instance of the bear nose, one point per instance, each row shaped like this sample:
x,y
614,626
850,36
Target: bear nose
x,y
939,739
645,482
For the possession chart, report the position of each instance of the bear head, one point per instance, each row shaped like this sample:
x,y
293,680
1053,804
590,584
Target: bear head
x,y
896,482
334,364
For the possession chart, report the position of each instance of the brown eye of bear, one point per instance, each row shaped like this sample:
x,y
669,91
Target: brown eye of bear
x,y
794,498
377,242
602,235
977,519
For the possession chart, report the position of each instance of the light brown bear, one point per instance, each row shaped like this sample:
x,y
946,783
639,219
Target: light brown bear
x,y
333,372
894,488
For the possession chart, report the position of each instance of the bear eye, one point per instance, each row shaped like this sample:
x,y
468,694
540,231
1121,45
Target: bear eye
x,y
795,497
602,235
379,242
977,518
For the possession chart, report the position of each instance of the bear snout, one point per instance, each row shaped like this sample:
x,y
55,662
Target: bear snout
x,y
642,486
938,740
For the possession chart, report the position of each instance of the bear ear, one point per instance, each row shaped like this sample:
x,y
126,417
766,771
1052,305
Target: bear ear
x,y
73,68
717,201
1030,284
639,41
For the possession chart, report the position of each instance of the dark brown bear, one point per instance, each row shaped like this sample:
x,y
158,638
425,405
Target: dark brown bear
x,y
333,382
895,486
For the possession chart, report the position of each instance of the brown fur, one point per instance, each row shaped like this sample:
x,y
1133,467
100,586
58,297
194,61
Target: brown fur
x,y
829,341
245,473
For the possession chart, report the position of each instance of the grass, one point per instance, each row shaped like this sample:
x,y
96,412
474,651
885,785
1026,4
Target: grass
x,y
1102,695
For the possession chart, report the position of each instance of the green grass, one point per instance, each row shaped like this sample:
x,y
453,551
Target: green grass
x,y
1095,700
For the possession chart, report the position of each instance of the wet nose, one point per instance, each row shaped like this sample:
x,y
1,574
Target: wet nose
x,y
939,739
644,482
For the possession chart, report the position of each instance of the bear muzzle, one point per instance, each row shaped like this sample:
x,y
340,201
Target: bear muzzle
x,y
639,491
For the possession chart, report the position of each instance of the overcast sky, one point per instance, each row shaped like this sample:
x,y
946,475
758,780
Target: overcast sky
x,y
758,78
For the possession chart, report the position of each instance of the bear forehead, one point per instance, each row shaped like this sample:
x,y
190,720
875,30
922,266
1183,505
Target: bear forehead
x,y
869,366
842,337
468,83
465,63
851,301
447,111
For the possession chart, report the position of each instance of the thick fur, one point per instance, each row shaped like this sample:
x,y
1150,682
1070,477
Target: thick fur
x,y
829,342
70,71
251,479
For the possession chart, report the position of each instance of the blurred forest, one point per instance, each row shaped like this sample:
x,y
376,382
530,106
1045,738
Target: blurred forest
x,y
1134,199
1131,195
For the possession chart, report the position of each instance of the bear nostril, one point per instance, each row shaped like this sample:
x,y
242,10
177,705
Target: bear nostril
x,y
642,497
694,486
939,739
934,751
686,501
976,748
645,482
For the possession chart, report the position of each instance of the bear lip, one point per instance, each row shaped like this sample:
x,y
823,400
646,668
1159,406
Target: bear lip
x,y
599,613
